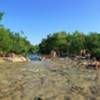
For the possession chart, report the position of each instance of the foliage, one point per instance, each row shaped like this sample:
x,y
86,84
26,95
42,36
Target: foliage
x,y
1,15
62,42
93,43
34,49
13,42
71,43
57,42
5,40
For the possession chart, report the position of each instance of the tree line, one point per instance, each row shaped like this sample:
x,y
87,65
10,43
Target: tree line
x,y
14,42
69,44
64,43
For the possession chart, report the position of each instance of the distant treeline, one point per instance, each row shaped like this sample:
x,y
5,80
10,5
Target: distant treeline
x,y
68,44
65,44
11,42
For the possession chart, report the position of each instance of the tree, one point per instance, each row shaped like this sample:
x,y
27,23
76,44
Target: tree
x,y
56,42
77,42
1,15
13,42
93,43
71,44
5,40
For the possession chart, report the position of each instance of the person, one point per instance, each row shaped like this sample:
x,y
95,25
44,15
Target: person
x,y
97,65
83,52
53,53
94,64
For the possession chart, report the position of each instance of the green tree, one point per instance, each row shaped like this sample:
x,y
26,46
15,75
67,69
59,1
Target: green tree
x,y
77,42
93,43
56,42
1,15
5,40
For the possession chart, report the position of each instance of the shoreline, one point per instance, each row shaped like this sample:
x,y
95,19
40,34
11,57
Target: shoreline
x,y
13,59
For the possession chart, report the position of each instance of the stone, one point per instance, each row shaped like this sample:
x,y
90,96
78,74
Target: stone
x,y
37,98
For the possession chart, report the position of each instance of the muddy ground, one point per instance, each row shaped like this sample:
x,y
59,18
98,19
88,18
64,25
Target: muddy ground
x,y
60,79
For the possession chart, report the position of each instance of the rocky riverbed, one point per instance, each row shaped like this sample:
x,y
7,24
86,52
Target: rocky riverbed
x,y
57,79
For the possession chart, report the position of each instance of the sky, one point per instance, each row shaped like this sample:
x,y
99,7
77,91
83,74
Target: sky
x,y
37,18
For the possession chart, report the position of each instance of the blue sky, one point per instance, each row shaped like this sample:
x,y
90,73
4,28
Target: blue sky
x,y
37,18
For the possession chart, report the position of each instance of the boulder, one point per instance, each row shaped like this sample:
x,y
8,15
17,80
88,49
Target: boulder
x,y
16,59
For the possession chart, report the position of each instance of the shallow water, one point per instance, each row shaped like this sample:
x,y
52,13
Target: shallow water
x,y
34,57
50,80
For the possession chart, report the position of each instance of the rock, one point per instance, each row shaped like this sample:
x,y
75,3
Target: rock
x,y
16,59
67,98
91,77
91,97
37,98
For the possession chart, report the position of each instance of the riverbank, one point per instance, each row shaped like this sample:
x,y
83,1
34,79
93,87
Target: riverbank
x,y
16,58
57,79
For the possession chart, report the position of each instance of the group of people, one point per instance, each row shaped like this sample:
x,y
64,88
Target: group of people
x,y
93,62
